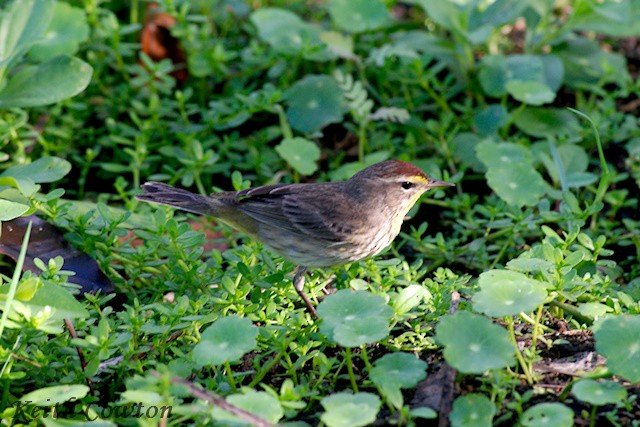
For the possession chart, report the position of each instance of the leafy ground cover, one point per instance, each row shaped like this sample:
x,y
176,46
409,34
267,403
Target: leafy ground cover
x,y
512,299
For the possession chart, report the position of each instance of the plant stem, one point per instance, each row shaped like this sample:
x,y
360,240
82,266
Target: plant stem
x,y
519,356
232,382
352,376
13,286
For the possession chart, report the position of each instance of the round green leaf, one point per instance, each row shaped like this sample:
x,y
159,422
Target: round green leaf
x,y
67,29
314,102
49,396
10,210
618,339
543,122
350,410
59,78
502,154
226,340
289,34
357,16
518,184
548,415
533,79
352,319
399,369
532,93
599,393
507,293
472,344
300,153
472,410
259,403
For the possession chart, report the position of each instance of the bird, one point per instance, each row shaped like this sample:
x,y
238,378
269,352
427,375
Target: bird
x,y
313,225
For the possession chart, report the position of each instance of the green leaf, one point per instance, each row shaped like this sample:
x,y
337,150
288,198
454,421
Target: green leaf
x,y
67,29
354,318
259,403
226,340
423,412
618,339
445,13
339,44
532,93
510,173
300,153
49,396
613,18
350,410
10,210
289,34
587,64
45,169
22,23
545,122
507,293
574,161
503,154
528,265
548,415
518,185
394,371
533,79
357,16
472,410
410,297
473,344
27,289
490,119
401,370
47,83
314,102
59,298
599,393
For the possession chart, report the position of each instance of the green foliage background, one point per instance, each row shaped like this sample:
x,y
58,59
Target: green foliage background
x,y
540,234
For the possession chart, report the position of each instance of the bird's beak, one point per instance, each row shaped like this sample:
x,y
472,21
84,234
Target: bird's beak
x,y
436,183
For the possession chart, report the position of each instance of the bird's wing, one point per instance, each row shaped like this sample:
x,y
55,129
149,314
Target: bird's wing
x,y
295,209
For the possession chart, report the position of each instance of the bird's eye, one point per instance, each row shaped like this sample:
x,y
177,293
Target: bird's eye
x,y
406,185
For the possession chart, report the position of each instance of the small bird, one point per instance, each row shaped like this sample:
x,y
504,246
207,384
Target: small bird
x,y
314,224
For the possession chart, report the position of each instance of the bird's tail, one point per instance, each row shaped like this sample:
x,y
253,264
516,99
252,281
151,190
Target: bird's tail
x,y
163,194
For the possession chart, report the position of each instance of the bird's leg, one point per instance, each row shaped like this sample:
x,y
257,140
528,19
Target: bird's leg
x,y
298,283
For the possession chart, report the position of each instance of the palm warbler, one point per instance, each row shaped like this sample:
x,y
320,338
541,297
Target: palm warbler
x,y
317,224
